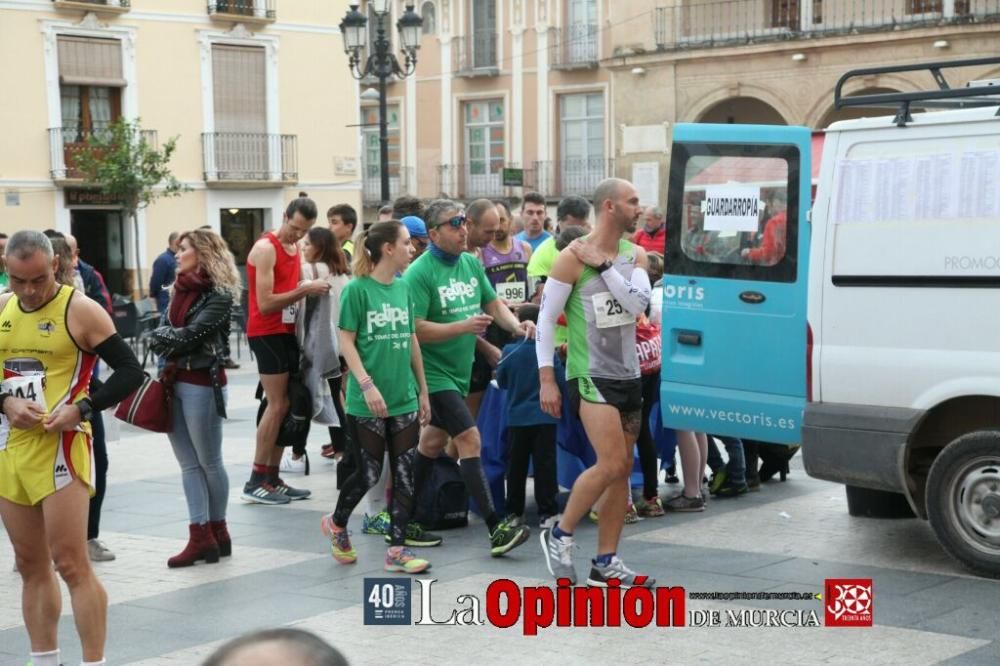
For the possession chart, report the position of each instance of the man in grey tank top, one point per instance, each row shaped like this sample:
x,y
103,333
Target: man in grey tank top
x,y
601,283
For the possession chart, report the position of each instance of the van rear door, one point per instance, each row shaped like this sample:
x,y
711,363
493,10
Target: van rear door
x,y
735,281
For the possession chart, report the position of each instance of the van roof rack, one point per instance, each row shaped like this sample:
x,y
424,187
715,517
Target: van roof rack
x,y
944,97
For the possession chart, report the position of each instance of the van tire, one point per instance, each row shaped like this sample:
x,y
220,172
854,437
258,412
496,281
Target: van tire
x,y
869,503
963,501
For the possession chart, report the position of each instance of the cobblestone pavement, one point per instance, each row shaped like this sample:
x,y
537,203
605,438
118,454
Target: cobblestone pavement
x,y
787,538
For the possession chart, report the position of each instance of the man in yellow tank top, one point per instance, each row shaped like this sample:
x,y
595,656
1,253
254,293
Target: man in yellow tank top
x,y
50,338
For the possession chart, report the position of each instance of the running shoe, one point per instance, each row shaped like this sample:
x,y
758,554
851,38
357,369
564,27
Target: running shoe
x,y
514,520
506,538
559,556
289,492
593,517
402,560
684,504
377,524
631,515
340,540
730,489
718,480
548,522
616,569
263,493
294,465
98,552
650,508
671,476
416,537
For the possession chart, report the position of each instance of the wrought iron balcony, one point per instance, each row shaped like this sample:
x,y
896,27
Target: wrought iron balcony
x,y
557,179
478,181
65,143
476,54
253,11
735,22
401,182
107,6
573,46
235,158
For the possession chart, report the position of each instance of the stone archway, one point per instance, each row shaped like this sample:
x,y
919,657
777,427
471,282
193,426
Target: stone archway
x,y
833,115
742,110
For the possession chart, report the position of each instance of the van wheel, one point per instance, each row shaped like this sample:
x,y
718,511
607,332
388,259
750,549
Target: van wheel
x,y
963,501
869,503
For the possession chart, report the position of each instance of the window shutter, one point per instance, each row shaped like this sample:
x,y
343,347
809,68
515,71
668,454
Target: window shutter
x,y
86,61
240,90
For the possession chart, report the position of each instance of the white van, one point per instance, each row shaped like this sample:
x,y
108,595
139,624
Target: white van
x,y
901,318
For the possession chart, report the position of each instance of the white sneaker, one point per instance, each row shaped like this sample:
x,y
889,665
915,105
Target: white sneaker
x,y
548,522
98,552
293,466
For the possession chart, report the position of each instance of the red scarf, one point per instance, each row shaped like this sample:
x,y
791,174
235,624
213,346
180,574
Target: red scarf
x,y
187,289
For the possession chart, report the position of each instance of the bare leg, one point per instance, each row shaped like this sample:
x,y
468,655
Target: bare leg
x,y
276,392
610,473
66,530
691,463
41,602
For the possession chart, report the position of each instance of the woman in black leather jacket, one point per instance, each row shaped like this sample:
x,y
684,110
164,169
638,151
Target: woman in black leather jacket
x,y
201,302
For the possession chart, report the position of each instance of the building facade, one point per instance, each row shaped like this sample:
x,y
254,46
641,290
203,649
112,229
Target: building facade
x,y
773,62
500,84
257,93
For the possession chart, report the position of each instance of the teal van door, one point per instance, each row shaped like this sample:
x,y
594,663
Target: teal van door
x,y
735,280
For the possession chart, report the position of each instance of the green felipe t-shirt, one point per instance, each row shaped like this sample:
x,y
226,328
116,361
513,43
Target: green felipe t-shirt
x,y
382,317
444,294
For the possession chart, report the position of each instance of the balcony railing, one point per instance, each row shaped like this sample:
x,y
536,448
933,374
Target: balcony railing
x,y
476,54
244,10
235,157
65,143
557,179
464,181
573,46
401,182
112,6
736,22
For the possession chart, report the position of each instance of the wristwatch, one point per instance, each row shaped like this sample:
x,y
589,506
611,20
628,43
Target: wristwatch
x,y
86,409
605,266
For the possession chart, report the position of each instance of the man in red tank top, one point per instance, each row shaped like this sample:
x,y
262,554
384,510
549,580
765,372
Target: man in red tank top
x,y
275,292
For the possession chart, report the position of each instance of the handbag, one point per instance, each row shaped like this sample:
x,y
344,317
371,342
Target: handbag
x,y
150,406
648,346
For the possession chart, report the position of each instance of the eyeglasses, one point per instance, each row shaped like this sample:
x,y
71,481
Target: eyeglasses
x,y
456,222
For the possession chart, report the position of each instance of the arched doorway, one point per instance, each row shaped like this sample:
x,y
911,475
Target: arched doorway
x,y
742,110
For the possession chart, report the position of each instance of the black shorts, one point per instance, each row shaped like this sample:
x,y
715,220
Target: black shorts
x,y
625,395
276,354
450,413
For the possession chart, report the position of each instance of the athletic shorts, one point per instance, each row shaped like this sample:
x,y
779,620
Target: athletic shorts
x,y
450,413
276,354
625,395
31,472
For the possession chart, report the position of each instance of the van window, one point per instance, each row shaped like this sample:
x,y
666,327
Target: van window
x,y
733,212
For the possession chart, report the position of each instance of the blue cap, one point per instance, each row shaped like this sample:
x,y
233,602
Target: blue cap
x,y
415,226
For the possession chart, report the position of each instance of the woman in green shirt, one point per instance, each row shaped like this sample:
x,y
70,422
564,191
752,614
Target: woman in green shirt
x,y
386,406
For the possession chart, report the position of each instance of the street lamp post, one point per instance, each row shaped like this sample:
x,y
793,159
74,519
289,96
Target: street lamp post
x,y
381,63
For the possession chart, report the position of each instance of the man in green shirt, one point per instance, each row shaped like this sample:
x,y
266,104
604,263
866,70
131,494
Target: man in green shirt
x,y
453,302
572,211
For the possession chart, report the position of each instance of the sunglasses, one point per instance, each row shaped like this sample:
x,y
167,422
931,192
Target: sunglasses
x,y
456,222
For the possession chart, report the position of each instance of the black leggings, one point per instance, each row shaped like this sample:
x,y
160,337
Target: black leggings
x,y
535,443
338,436
647,446
100,475
370,437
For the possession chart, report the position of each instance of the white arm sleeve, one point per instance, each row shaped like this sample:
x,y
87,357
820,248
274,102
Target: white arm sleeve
x,y
632,294
554,299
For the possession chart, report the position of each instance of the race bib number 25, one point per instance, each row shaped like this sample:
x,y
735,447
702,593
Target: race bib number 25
x,y
608,312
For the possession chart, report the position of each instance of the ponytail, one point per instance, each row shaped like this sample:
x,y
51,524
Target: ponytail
x,y
368,246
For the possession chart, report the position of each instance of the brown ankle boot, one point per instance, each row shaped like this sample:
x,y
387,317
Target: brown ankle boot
x,y
201,546
221,534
